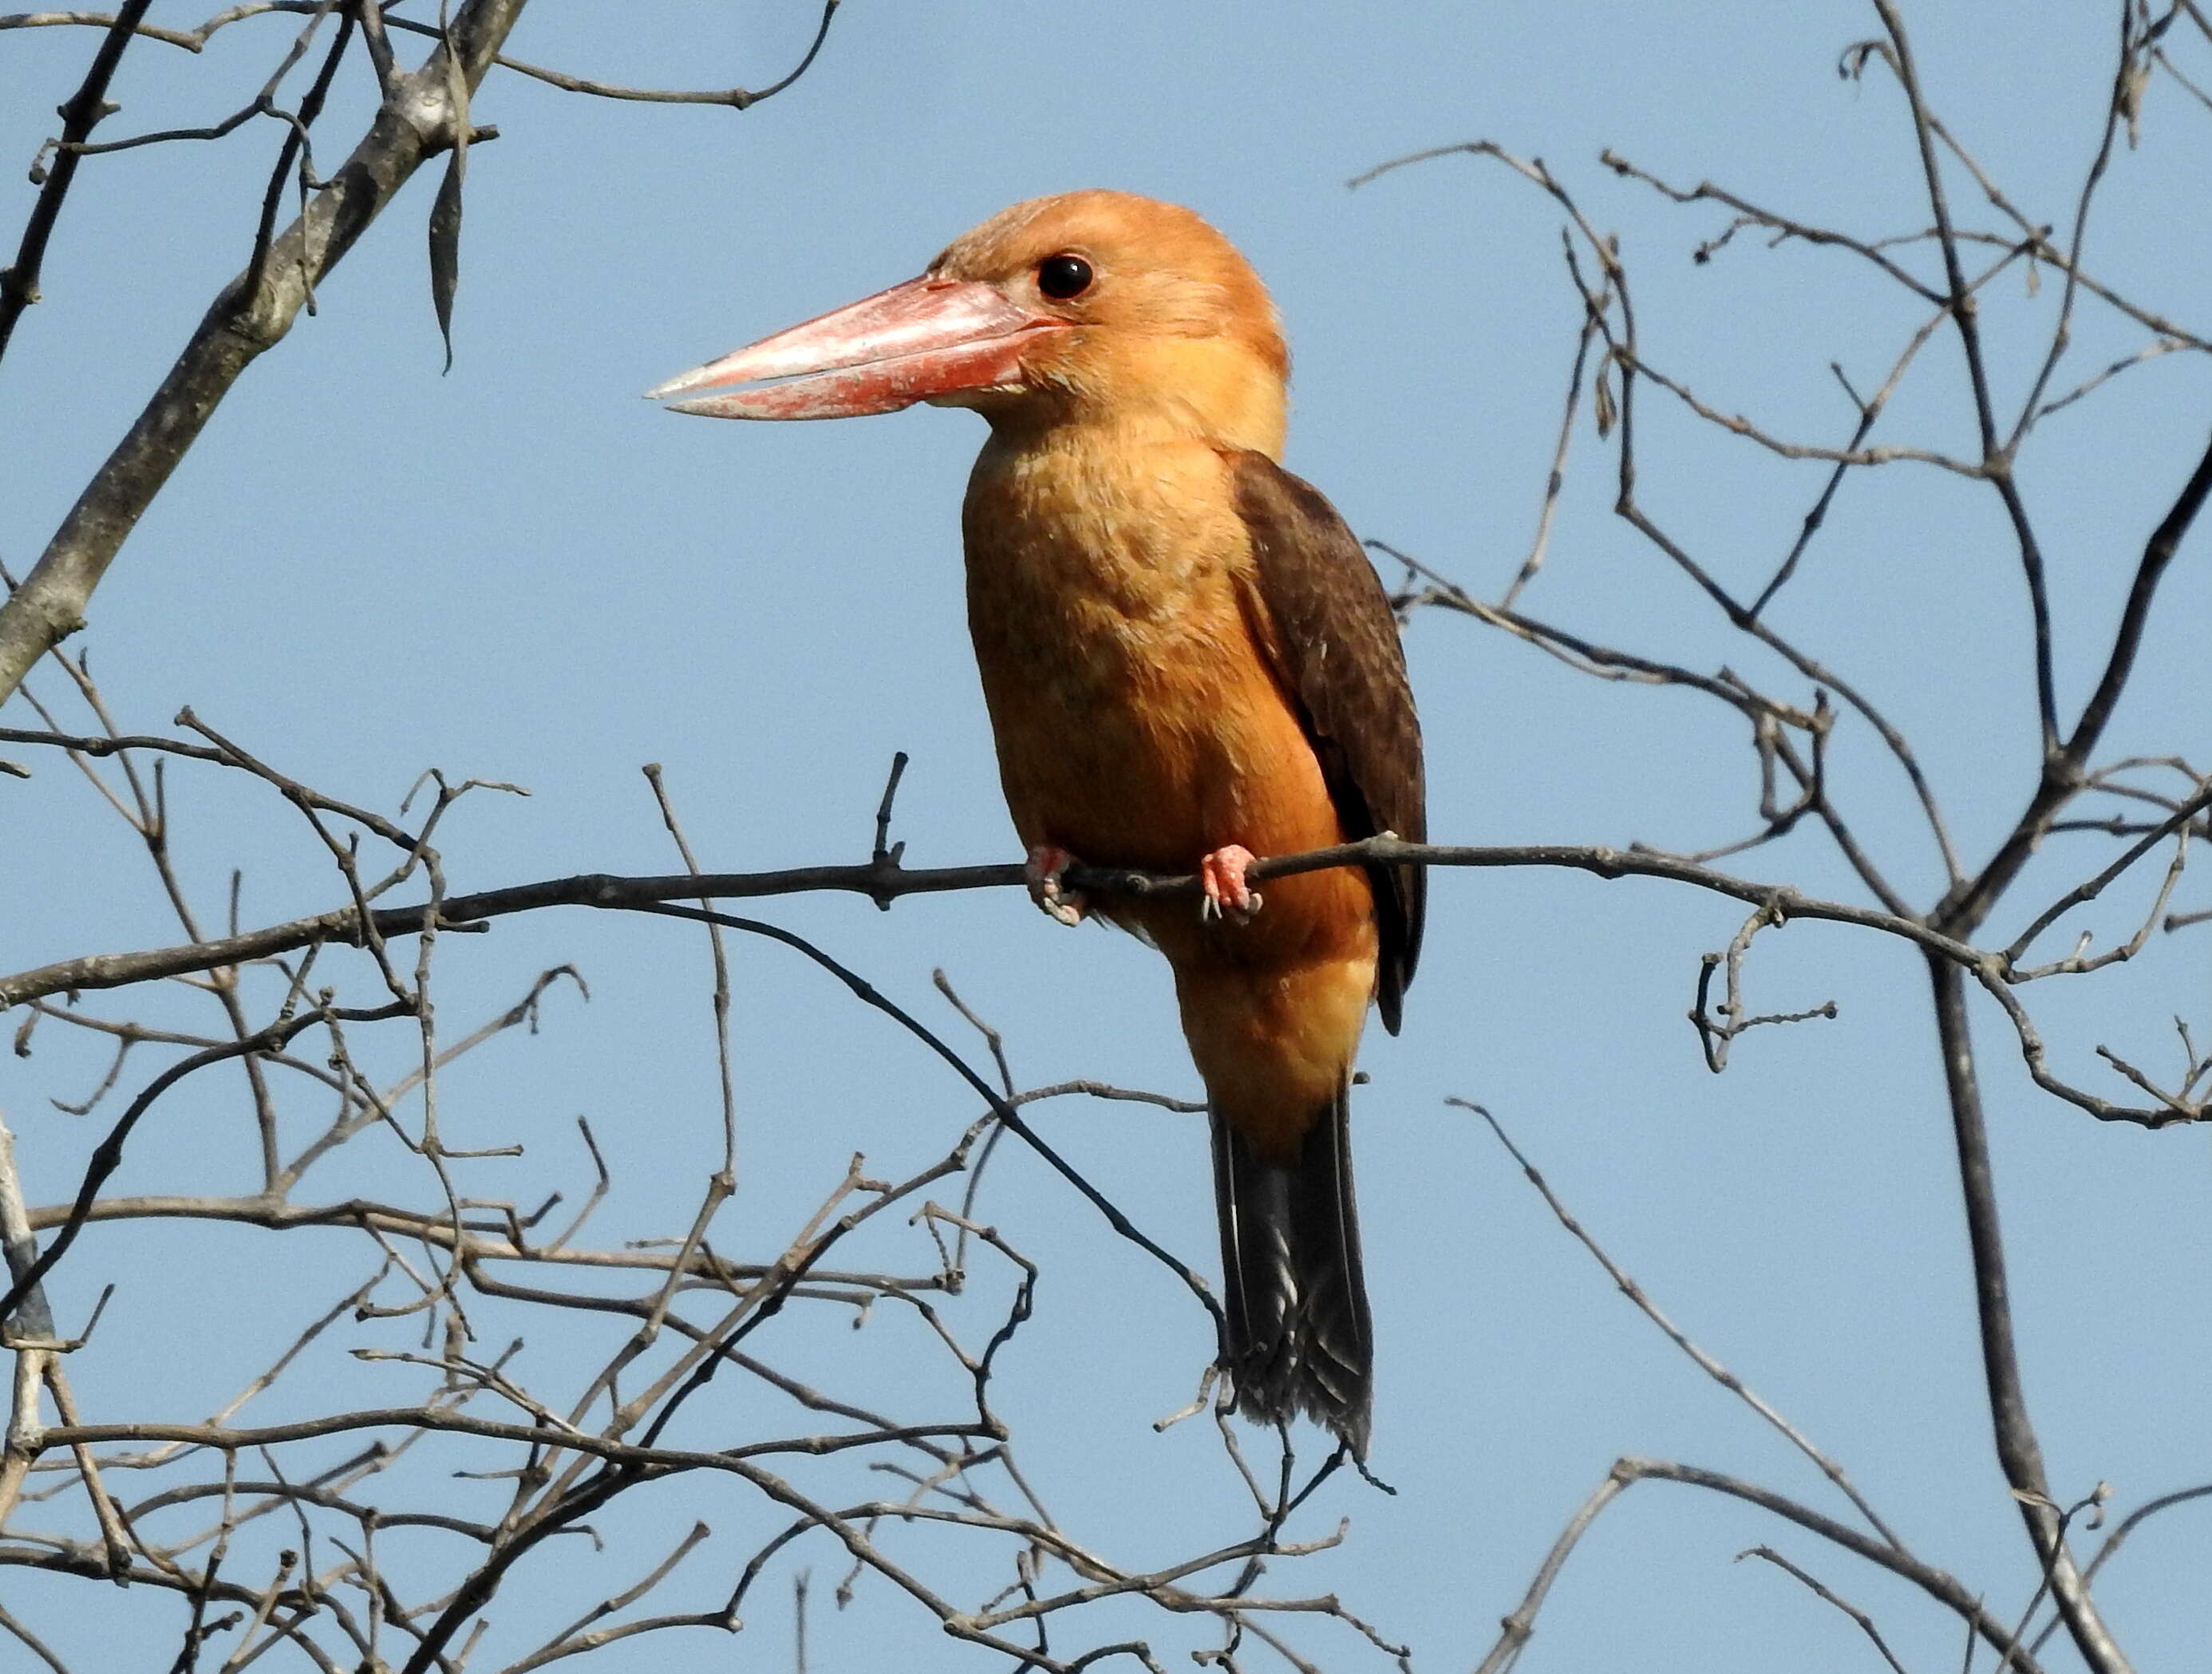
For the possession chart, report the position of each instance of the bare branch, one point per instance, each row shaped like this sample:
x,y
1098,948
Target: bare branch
x,y
2018,1450
737,99
18,281
1964,911
605,891
1820,1590
1944,1588
245,321
1712,1367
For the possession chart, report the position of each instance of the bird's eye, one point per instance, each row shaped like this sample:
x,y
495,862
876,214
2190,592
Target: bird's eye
x,y
1063,277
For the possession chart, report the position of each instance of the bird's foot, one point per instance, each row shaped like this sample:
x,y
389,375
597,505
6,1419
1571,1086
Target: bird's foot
x,y
1221,874
1042,871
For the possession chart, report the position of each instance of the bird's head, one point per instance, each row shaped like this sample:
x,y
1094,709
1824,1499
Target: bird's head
x,y
1089,308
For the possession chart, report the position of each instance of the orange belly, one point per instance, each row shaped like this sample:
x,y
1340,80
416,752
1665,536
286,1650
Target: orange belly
x,y
1138,723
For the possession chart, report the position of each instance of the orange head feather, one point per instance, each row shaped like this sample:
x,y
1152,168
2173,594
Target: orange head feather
x,y
1086,308
1169,319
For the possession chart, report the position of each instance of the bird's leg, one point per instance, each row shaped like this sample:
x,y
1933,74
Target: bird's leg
x,y
1221,874
1042,871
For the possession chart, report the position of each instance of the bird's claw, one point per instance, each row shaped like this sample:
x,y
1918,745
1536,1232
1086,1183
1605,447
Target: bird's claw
x,y
1228,896
1042,870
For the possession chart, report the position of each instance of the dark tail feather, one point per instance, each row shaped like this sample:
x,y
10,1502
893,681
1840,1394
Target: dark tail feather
x,y
1299,1340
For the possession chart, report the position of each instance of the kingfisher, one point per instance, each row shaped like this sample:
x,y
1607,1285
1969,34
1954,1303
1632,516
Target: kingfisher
x,y
1188,662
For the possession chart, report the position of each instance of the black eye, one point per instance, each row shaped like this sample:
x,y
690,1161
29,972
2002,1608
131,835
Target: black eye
x,y
1063,277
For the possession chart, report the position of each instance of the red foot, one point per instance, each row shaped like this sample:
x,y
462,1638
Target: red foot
x,y
1227,895
1042,869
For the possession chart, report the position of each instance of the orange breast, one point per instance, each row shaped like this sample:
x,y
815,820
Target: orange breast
x,y
1139,722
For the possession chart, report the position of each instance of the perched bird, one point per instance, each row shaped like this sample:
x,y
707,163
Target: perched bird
x,y
1188,662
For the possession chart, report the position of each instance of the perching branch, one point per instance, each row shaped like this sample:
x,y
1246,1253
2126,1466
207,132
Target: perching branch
x,y
889,880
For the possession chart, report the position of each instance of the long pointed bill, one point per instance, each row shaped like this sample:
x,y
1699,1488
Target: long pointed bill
x,y
925,338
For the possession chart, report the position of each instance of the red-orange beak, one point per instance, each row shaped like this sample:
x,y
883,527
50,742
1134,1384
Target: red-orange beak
x,y
922,340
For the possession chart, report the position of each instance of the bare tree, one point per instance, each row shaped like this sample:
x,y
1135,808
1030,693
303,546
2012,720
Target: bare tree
x,y
337,1534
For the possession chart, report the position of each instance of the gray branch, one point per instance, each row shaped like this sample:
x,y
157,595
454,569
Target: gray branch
x,y
252,315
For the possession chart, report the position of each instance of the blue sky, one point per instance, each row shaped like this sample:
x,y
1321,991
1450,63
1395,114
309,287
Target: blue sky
x,y
521,572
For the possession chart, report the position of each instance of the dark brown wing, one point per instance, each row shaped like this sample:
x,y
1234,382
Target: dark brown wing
x,y
1337,643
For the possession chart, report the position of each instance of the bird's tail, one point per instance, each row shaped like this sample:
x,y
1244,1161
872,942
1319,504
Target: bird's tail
x,y
1299,1340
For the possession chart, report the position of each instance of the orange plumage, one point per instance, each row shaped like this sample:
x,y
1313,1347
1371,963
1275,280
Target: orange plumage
x,y
1188,662
1139,723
